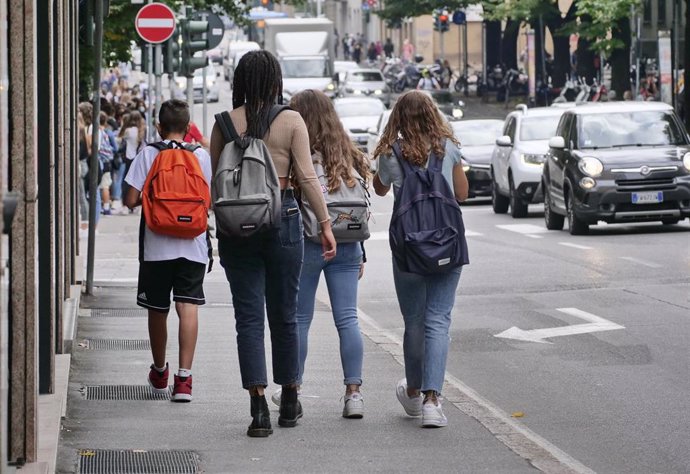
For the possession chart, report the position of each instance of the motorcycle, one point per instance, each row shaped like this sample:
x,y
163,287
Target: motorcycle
x,y
514,83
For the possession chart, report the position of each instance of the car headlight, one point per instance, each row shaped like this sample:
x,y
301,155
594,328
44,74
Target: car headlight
x,y
357,92
533,159
181,82
330,87
686,161
378,92
457,113
210,82
587,183
591,166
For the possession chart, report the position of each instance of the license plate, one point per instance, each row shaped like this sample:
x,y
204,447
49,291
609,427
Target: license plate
x,y
652,197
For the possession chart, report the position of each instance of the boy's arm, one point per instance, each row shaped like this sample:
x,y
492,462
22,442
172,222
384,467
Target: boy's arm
x,y
132,198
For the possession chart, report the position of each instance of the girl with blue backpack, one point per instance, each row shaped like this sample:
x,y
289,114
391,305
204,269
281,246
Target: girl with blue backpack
x,y
343,172
420,158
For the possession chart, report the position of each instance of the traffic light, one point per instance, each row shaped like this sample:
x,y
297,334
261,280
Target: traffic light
x,y
193,41
443,21
171,53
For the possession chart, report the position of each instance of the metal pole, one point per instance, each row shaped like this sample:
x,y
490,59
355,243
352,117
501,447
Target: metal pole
x,y
204,98
94,165
485,67
318,8
443,55
149,99
676,50
159,81
637,57
464,52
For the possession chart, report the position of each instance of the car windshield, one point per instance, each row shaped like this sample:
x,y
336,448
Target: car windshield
x,y
296,68
538,128
477,133
648,128
360,108
365,76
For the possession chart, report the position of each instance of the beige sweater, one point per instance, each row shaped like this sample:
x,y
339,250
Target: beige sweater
x,y
287,138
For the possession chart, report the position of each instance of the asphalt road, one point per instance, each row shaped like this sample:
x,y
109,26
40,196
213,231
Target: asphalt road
x,y
613,397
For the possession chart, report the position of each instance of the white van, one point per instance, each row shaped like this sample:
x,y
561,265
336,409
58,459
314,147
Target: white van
x,y
235,47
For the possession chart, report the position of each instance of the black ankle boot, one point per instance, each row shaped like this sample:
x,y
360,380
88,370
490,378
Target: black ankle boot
x,y
261,418
290,408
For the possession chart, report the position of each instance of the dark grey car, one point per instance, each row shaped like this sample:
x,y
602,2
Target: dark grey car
x,y
624,162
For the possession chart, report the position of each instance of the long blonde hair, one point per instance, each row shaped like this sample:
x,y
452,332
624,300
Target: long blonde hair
x,y
416,121
328,137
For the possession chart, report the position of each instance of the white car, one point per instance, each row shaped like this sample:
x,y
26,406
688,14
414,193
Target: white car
x,y
519,156
358,115
374,136
179,85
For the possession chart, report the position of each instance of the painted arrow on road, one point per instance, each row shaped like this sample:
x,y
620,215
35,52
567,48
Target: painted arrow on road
x,y
594,324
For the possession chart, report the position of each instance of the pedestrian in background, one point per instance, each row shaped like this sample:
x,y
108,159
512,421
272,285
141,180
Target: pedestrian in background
x,y
388,48
407,51
169,264
133,131
263,270
426,301
334,153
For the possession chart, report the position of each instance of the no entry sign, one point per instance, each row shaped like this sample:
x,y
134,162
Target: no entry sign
x,y
155,22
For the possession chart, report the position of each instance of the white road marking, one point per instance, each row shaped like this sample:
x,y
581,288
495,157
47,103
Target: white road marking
x,y
534,236
383,234
539,452
525,229
575,246
595,324
642,262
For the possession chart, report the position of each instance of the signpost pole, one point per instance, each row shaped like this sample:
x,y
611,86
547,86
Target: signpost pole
x,y
204,98
149,118
159,80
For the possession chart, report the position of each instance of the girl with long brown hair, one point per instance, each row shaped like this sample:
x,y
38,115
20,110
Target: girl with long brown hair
x,y
426,301
339,163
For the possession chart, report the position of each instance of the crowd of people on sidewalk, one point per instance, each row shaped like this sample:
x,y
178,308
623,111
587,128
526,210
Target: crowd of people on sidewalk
x,y
290,194
121,136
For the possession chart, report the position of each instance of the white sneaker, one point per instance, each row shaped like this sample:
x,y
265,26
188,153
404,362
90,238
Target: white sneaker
x,y
412,405
432,416
354,406
275,398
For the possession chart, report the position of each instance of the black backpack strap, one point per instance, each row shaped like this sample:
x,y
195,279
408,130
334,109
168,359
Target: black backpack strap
x,y
405,165
226,127
209,246
275,110
160,146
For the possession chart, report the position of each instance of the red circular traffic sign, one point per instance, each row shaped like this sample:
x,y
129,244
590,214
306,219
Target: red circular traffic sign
x,y
155,22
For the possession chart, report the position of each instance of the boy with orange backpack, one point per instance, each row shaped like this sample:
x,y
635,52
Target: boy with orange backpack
x,y
170,179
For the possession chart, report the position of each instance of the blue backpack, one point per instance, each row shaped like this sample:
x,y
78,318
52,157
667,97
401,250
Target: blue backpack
x,y
427,233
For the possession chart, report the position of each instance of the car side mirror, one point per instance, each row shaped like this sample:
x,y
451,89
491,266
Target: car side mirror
x,y
504,141
557,143
372,131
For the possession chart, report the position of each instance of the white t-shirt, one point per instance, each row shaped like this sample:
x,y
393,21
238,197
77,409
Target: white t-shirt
x,y
159,247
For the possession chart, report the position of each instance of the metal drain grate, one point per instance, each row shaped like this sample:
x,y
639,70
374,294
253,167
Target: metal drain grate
x,y
123,392
118,313
106,461
117,344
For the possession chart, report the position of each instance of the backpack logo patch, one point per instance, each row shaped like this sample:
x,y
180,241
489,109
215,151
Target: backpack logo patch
x,y
184,218
346,217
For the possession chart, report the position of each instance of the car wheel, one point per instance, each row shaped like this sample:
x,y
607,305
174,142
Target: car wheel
x,y
553,221
518,207
670,221
575,225
498,201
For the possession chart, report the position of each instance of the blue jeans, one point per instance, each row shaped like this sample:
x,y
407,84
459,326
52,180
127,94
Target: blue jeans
x,y
342,275
426,303
118,176
263,272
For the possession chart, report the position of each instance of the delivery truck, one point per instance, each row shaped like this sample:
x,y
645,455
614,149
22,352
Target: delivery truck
x,y
305,49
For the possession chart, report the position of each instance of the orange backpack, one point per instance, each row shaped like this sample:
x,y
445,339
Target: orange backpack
x,y
175,197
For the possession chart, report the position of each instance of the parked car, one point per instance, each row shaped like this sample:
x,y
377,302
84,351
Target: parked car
x,y
358,115
518,158
374,136
365,82
178,87
448,103
233,48
617,162
477,138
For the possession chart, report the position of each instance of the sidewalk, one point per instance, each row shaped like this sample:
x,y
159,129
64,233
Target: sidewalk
x,y
209,433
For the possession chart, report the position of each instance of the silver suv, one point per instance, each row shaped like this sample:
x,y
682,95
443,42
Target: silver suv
x,y
518,158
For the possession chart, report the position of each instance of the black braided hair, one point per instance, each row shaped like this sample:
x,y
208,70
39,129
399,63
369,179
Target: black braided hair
x,y
257,84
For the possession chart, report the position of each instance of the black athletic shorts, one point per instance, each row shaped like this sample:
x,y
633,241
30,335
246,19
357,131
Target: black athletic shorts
x,y
181,276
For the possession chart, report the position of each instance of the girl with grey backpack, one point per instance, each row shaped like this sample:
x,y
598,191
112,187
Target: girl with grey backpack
x,y
262,257
344,173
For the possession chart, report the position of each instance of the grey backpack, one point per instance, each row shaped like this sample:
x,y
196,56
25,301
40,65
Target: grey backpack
x,y
245,189
348,209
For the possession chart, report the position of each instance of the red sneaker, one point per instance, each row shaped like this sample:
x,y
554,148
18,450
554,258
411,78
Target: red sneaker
x,y
182,390
158,380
